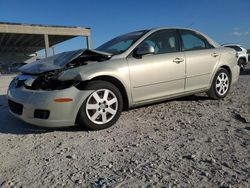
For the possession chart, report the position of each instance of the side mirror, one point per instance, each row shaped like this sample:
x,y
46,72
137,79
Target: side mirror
x,y
144,50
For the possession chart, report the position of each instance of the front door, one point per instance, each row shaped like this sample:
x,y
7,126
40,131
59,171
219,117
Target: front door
x,y
161,74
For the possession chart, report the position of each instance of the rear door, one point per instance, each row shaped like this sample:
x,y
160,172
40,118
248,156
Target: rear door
x,y
201,60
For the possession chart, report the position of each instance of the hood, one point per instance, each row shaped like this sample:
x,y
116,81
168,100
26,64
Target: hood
x,y
60,61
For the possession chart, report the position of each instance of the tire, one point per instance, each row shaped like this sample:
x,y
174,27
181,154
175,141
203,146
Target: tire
x,y
102,108
242,64
220,85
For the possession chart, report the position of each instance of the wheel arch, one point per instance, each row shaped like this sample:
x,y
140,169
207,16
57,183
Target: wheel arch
x,y
242,58
228,69
216,70
119,85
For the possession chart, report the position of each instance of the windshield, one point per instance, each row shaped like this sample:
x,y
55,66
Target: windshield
x,y
121,43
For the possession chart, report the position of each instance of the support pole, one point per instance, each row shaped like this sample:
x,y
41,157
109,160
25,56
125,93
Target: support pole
x,y
53,50
88,42
46,40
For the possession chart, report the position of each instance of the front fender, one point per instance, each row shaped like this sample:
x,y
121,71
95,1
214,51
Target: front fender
x,y
117,69
89,71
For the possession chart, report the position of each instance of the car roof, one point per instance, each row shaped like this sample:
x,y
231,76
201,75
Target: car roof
x,y
180,28
190,29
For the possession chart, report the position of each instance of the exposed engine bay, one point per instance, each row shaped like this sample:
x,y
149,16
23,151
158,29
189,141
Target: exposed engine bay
x,y
43,74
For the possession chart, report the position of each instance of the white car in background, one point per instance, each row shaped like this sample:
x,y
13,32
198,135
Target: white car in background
x,y
242,54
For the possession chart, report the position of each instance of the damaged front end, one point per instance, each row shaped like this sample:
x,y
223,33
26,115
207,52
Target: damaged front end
x,y
43,74
48,81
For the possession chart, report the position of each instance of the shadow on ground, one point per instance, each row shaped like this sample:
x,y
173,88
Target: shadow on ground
x,y
12,125
9,124
245,72
194,98
187,98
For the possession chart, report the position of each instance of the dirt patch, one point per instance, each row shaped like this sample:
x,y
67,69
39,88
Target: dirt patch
x,y
189,142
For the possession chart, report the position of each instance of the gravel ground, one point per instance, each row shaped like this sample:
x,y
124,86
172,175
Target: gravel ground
x,y
188,142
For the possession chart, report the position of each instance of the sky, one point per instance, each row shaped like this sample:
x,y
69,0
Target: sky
x,y
226,21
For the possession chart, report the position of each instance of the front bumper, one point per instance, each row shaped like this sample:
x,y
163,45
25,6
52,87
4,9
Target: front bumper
x,y
61,114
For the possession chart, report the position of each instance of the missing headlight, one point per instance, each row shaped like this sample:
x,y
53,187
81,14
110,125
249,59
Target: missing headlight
x,y
49,82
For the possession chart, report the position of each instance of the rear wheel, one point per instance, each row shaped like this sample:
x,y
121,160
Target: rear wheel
x,y
102,108
221,85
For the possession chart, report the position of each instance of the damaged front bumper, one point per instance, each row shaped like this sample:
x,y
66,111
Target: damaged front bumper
x,y
39,107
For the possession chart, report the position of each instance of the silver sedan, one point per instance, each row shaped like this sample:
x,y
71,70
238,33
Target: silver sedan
x,y
92,87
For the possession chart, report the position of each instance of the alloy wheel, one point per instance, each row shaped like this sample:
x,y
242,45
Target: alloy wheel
x,y
102,106
222,84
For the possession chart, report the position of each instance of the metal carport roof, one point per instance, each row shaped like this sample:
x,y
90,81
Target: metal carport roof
x,y
30,38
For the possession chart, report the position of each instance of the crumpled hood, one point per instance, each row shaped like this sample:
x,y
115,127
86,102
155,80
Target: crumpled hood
x,y
58,61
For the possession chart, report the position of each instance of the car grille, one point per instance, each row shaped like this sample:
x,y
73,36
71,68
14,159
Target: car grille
x,y
15,107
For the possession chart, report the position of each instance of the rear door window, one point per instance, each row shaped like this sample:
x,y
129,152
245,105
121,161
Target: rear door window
x,y
193,41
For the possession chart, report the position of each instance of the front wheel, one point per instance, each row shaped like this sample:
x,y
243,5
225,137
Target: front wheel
x,y
102,108
220,85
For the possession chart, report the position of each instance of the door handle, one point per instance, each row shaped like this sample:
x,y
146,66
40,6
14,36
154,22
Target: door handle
x,y
214,54
178,60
